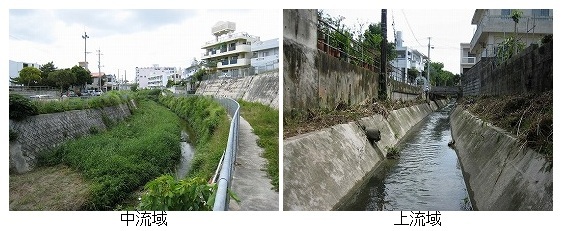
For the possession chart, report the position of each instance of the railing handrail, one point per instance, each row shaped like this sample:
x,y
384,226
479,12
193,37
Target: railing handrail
x,y
225,176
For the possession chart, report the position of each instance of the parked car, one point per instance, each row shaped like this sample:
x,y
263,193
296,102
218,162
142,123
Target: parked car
x,y
98,93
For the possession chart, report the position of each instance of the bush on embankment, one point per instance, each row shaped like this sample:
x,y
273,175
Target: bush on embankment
x,y
111,98
264,121
21,107
127,156
210,123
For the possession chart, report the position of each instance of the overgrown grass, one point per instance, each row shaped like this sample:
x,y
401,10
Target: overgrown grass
x,y
528,117
210,123
111,98
264,121
297,122
126,157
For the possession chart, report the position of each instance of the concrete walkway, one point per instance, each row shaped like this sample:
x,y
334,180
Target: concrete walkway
x,y
250,183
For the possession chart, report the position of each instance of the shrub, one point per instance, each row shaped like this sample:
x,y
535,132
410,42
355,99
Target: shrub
x,y
165,194
21,107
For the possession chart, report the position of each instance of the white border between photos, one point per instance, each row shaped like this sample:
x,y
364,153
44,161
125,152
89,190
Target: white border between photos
x,y
287,220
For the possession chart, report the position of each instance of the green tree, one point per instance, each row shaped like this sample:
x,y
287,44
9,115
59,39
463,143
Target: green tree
x,y
170,83
412,73
62,78
441,77
198,75
134,87
28,76
45,70
82,75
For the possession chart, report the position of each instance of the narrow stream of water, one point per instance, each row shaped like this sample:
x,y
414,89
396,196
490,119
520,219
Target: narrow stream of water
x,y
425,177
188,151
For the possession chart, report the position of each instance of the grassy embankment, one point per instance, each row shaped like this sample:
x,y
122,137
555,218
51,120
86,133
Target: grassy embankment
x,y
128,155
528,117
264,121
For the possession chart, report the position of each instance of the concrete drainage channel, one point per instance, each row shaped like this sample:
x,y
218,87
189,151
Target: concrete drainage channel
x,y
322,168
502,173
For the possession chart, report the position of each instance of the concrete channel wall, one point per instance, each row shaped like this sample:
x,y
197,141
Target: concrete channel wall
x,y
323,168
501,174
262,88
36,134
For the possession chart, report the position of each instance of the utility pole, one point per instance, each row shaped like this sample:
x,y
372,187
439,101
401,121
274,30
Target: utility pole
x,y
428,70
99,68
383,63
85,36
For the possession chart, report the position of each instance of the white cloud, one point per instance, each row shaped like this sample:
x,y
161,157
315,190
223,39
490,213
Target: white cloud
x,y
131,38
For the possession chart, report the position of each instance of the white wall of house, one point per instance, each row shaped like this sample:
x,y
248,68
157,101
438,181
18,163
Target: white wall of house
x,y
147,77
16,67
494,25
265,53
467,59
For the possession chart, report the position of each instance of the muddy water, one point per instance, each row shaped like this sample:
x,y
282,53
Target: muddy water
x,y
425,177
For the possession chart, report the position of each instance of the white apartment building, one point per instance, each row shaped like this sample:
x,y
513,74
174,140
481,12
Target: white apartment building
x,y
265,55
155,76
494,25
16,67
230,51
189,72
467,59
407,58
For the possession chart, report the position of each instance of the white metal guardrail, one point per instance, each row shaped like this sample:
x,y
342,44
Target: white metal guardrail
x,y
227,166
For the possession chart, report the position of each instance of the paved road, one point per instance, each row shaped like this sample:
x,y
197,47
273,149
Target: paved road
x,y
250,182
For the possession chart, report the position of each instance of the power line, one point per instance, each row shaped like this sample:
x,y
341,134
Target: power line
x,y
409,25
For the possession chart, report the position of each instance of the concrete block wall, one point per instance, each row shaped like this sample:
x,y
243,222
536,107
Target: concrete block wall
x,y
323,168
529,71
262,88
501,174
42,132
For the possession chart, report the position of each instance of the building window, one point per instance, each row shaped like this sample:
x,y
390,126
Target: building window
x,y
255,55
505,12
401,54
540,12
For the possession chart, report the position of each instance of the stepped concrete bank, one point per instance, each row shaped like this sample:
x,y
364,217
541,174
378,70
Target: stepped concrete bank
x,y
41,132
500,172
262,88
323,168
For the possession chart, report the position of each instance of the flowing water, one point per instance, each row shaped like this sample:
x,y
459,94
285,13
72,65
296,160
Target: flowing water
x,y
188,151
425,177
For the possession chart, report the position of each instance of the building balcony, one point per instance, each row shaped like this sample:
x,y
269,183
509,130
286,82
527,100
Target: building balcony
x,y
505,24
233,63
240,48
230,37
468,60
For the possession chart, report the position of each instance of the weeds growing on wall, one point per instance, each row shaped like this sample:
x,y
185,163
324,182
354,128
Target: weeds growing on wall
x,y
528,117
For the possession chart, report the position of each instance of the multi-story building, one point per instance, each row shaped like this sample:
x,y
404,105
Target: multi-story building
x,y
155,76
16,67
494,25
229,53
265,55
467,59
407,58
